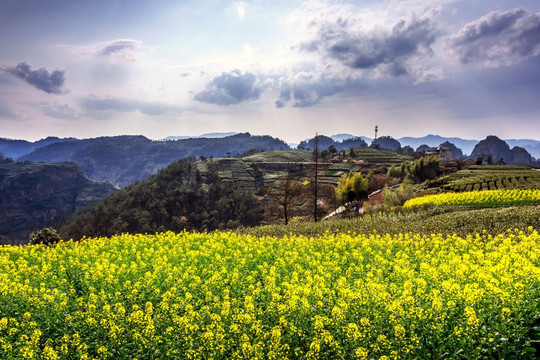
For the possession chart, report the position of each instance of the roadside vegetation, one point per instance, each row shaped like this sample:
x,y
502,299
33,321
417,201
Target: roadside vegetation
x,y
425,220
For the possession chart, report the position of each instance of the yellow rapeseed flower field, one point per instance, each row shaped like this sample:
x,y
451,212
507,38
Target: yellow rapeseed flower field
x,y
228,296
483,198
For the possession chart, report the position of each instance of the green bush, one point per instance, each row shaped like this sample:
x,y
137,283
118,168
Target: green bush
x,y
397,197
420,170
352,186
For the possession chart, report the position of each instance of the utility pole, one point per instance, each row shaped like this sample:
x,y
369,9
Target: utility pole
x,y
316,177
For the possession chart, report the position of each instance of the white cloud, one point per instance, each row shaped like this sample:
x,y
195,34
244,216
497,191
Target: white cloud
x,y
498,38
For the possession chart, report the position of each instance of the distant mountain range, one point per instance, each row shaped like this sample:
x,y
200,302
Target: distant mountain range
x,y
124,160
466,145
14,148
215,135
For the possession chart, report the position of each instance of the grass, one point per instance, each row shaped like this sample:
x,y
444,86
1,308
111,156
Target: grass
x,y
444,220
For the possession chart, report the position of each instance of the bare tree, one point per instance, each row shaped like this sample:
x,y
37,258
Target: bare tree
x,y
316,177
285,192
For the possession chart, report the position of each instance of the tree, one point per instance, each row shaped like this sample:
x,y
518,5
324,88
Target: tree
x,y
407,150
479,160
420,170
285,193
396,171
332,150
352,186
425,168
46,236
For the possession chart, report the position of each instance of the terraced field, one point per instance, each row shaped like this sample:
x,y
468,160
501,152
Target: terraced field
x,y
494,177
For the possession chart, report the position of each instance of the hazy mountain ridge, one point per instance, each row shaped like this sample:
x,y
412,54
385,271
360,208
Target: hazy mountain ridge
x,y
465,145
214,135
34,195
14,148
17,148
532,146
124,160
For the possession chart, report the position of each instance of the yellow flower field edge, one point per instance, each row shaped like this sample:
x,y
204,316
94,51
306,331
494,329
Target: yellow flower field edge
x,y
484,198
228,296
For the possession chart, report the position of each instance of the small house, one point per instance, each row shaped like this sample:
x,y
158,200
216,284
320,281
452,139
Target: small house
x,y
444,153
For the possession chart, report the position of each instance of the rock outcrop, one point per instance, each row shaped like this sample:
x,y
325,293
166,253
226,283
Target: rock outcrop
x,y
496,151
35,195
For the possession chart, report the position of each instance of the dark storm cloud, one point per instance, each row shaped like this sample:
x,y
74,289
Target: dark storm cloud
x,y
42,79
230,88
284,98
98,107
385,49
499,38
311,88
305,95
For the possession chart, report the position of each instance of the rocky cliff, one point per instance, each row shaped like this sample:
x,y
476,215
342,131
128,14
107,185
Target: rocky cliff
x,y
494,150
34,195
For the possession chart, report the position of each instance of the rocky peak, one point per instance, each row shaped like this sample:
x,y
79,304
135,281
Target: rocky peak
x,y
494,149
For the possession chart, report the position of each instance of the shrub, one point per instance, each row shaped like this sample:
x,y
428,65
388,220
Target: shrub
x,y
352,186
397,197
46,236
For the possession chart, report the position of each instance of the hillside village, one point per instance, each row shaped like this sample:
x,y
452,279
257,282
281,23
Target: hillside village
x,y
245,163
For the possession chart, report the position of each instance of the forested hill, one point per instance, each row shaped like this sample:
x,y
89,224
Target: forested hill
x,y
185,195
34,195
124,160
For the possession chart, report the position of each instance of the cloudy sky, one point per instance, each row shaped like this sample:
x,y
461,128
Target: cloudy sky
x,y
284,68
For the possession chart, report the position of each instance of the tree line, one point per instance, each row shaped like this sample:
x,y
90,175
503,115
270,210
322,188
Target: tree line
x,y
176,198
